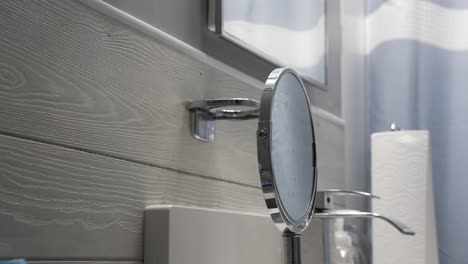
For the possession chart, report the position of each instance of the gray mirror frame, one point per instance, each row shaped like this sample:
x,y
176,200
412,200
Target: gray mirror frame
x,y
267,178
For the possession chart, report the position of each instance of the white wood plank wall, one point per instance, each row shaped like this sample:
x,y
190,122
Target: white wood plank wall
x,y
93,128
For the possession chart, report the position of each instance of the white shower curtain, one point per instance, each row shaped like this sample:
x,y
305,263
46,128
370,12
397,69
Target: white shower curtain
x,y
417,75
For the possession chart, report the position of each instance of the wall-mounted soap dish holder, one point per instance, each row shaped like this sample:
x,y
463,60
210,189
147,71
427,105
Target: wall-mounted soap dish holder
x,y
204,113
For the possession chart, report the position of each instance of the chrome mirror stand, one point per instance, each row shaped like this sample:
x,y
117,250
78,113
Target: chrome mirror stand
x,y
204,113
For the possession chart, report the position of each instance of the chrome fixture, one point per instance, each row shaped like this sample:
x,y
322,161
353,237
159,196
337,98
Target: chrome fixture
x,y
328,210
204,113
287,157
394,127
285,148
324,208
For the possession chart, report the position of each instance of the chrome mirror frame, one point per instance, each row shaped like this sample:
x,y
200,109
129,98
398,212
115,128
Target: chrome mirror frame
x,y
291,230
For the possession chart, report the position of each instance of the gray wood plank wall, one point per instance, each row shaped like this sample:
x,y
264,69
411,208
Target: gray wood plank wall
x,y
93,128
61,203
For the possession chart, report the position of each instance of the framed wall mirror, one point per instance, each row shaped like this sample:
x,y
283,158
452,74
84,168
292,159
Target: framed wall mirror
x,y
287,33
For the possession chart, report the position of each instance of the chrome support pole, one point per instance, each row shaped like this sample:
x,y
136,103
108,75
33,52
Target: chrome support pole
x,y
292,248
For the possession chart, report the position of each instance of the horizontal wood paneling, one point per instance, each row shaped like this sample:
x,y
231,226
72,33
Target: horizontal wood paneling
x,y
57,203
190,26
73,76
77,78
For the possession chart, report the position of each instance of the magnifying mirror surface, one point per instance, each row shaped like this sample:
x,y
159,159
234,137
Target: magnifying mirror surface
x,y
286,148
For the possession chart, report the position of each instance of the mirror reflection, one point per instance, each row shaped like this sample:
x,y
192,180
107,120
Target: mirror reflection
x,y
292,147
288,33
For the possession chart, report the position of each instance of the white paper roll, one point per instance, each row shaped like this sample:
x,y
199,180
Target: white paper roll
x,y
402,177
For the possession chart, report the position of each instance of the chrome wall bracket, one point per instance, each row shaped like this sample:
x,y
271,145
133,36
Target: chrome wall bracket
x,y
204,113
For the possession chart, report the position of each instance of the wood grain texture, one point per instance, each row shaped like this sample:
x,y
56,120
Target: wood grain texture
x,y
189,25
74,77
57,203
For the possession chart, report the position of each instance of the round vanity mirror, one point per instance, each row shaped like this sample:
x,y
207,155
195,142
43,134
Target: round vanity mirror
x,y
286,152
